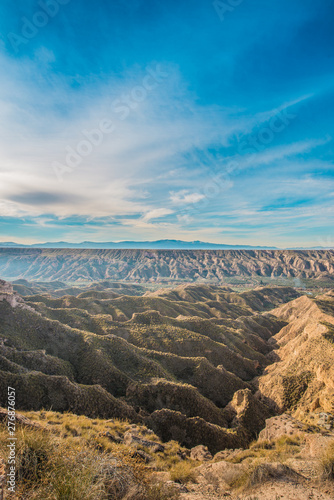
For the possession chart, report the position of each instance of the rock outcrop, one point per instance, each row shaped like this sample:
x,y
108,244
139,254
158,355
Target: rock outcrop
x,y
247,413
9,295
194,431
282,425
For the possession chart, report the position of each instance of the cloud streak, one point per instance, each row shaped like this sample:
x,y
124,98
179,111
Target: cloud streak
x,y
162,120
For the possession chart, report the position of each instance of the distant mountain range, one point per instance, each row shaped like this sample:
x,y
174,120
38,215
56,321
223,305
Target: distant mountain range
x,y
147,245
160,244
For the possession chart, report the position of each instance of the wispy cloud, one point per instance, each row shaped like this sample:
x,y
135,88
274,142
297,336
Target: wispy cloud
x,y
156,213
244,99
184,197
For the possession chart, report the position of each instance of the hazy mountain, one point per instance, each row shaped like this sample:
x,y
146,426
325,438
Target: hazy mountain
x,y
160,244
10,244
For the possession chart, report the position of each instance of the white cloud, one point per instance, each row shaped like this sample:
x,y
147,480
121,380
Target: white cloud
x,y
184,197
109,181
158,157
156,213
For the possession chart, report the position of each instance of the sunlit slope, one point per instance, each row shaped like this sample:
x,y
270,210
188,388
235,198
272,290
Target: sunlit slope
x,y
302,378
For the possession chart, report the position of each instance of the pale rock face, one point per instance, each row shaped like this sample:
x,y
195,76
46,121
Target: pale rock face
x,y
200,453
14,300
282,425
316,444
5,287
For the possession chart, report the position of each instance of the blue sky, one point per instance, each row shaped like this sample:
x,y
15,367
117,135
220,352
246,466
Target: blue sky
x,y
144,120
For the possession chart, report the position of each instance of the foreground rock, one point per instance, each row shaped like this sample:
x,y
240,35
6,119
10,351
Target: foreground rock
x,y
191,432
263,481
282,425
247,413
132,438
200,453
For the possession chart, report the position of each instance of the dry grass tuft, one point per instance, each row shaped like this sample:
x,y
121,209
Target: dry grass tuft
x,y
183,472
262,473
327,464
68,460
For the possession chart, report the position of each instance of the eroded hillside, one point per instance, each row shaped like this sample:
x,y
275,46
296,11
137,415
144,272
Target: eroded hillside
x,y
199,364
74,265
302,378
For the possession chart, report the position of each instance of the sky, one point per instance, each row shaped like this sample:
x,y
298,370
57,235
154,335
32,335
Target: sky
x,y
146,120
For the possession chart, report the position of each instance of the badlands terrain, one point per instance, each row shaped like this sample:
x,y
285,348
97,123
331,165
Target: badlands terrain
x,y
192,391
75,265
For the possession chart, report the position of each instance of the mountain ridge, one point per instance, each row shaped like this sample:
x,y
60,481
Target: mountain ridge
x,y
74,265
145,245
166,244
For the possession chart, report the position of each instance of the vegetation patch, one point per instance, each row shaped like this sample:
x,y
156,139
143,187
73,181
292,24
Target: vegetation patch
x,y
327,463
294,387
329,334
75,458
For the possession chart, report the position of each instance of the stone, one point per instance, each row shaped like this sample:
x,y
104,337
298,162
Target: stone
x,y
224,454
131,438
326,420
200,453
282,425
145,457
115,438
316,445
